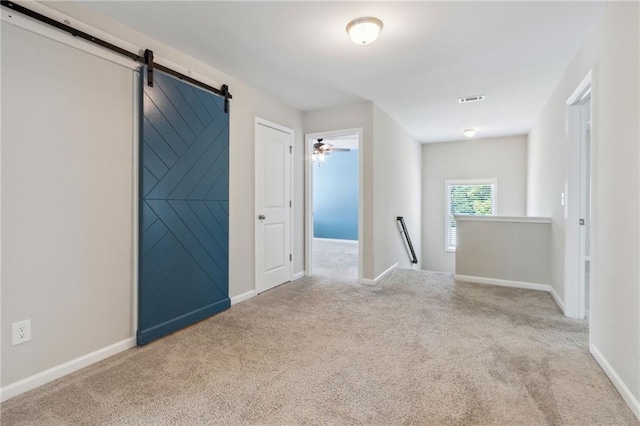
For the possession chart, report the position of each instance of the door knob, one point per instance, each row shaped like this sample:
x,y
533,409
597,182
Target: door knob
x,y
262,217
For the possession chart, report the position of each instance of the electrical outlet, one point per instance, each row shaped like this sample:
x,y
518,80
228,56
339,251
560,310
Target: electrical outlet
x,y
20,332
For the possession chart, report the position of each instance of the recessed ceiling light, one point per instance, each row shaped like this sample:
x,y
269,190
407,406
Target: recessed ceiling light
x,y
469,132
364,30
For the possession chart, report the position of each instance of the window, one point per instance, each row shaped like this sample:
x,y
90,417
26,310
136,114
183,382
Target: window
x,y
468,197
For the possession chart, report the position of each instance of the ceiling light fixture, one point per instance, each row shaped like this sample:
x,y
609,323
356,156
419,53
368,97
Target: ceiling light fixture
x,y
469,132
364,30
475,98
318,157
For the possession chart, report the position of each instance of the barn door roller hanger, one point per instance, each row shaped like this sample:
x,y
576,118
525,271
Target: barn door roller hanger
x,y
147,59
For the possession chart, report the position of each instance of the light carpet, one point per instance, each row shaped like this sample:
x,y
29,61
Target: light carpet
x,y
418,348
335,259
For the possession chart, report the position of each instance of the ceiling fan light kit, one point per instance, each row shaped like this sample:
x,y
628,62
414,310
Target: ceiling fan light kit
x,y
364,30
322,149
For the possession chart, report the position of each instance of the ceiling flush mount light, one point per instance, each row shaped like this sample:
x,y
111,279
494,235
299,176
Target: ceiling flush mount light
x,y
364,30
469,132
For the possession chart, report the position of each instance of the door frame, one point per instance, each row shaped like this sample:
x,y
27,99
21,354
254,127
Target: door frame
x,y
308,193
575,234
135,204
262,122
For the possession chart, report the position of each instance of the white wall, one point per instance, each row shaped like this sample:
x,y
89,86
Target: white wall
x,y
67,178
353,116
397,190
612,53
247,103
547,160
512,249
502,158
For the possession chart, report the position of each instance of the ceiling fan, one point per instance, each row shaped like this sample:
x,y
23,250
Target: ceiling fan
x,y
321,149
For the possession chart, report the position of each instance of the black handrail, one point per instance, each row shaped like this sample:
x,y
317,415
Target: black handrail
x,y
400,219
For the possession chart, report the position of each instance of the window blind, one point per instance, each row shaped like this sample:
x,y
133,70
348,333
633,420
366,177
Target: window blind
x,y
473,199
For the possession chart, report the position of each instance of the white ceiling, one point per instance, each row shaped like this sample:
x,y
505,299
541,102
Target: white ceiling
x,y
428,54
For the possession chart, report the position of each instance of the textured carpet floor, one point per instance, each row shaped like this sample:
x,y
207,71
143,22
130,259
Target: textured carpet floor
x,y
418,348
335,259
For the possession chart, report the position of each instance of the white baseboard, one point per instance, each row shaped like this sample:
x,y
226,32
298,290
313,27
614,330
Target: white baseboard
x,y
298,275
626,394
379,278
44,377
515,284
242,297
557,299
503,283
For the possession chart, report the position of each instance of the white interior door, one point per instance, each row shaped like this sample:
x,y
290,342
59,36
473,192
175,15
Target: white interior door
x,y
585,205
273,207
577,201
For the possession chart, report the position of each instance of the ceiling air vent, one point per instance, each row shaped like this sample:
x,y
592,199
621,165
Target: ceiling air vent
x,y
468,99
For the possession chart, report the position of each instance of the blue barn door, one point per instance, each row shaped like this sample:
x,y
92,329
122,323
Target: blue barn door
x,y
184,207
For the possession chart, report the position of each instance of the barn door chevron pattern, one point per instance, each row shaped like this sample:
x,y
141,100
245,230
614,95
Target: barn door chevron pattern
x,y
184,207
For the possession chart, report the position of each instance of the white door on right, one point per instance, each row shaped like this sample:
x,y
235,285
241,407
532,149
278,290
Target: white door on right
x,y
273,207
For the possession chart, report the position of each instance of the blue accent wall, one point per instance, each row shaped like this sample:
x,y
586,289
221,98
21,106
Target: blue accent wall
x,y
335,196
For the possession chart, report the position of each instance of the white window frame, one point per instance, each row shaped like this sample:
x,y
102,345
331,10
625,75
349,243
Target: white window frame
x,y
447,202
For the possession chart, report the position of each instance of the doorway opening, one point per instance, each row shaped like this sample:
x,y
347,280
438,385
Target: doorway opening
x,y
578,260
333,197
